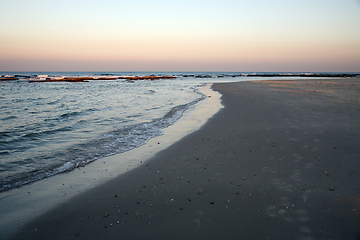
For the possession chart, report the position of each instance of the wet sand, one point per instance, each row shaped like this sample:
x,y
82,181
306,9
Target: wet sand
x,y
280,161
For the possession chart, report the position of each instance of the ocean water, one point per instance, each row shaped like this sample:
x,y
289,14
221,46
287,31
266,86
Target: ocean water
x,y
54,127
50,128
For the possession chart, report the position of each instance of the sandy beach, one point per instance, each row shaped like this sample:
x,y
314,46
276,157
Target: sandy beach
x,y
281,160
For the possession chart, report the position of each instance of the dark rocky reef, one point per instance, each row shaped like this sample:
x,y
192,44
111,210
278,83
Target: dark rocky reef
x,y
8,78
133,79
87,79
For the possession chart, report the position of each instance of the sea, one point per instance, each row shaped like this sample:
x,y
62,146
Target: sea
x,y
48,128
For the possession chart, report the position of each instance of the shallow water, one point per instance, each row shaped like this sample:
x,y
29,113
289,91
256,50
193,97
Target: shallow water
x,y
48,128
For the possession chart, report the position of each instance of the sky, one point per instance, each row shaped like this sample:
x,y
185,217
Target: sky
x,y
174,35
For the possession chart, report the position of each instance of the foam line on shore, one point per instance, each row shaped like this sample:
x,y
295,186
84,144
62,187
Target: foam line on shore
x,y
29,201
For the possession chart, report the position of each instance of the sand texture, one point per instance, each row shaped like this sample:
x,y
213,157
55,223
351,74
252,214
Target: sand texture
x,y
280,161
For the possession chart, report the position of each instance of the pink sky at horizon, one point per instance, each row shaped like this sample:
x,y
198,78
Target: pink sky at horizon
x,y
318,36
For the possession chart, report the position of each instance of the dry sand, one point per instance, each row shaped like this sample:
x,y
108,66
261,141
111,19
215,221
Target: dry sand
x,y
280,161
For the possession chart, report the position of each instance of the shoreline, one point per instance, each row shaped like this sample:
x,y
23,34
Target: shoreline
x,y
20,205
39,77
277,162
